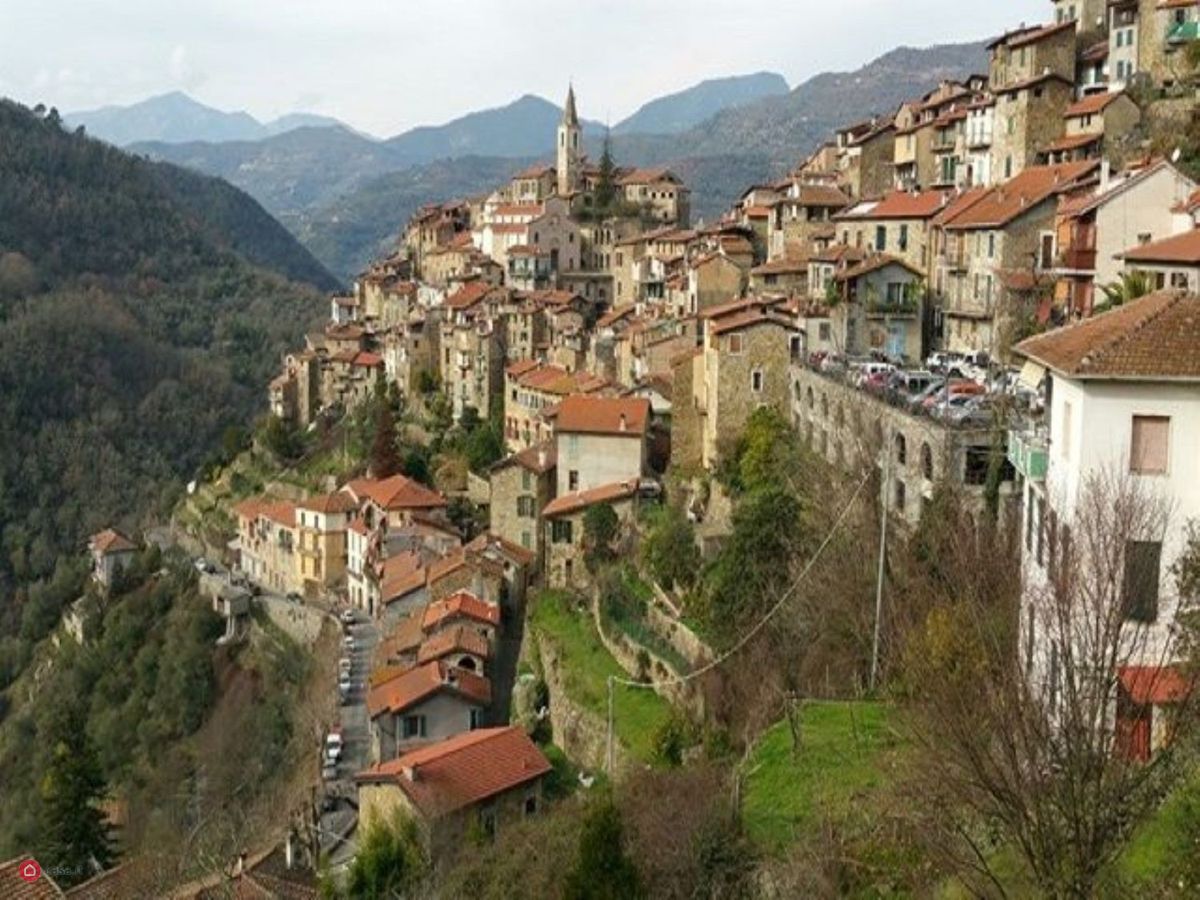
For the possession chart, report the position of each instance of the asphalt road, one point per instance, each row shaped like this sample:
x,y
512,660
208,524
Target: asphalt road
x,y
356,738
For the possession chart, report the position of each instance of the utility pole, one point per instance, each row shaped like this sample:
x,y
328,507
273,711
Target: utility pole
x,y
883,520
608,749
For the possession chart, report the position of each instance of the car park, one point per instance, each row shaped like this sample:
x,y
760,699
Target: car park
x,y
873,372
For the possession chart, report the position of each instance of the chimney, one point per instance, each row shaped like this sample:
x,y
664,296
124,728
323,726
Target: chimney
x,y
410,772
1105,174
541,458
623,425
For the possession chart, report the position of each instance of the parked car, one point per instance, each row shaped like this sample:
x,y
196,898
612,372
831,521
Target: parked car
x,y
347,616
903,385
204,567
940,360
329,771
348,643
957,388
345,665
295,597
345,688
946,409
873,372
333,745
916,400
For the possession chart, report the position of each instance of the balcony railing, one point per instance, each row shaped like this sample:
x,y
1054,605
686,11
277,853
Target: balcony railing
x,y
906,307
1028,453
1077,258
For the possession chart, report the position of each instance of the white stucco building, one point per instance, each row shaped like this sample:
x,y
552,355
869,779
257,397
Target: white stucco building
x,y
1122,404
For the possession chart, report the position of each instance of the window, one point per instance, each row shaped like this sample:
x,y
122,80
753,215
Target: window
x,y
903,237
991,245
756,381
560,531
573,480
526,540
413,727
880,238
525,507
927,462
1140,594
526,479
1148,448
531,805
1041,532
901,497
735,343
1008,167
901,449
474,719
823,331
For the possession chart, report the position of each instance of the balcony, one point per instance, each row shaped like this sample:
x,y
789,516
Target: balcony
x,y
1183,32
906,308
1028,453
1078,259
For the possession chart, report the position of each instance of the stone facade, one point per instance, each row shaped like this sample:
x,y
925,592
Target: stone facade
x,y
1028,118
521,486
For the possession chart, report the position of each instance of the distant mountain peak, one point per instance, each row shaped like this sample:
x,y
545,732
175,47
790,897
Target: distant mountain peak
x,y
686,109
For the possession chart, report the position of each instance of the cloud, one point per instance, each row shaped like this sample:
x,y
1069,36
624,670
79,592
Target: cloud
x,y
183,71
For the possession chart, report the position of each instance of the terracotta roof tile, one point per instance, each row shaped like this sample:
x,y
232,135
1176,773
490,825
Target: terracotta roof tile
x,y
603,415
463,770
14,887
901,205
334,502
1154,337
487,543
1000,205
111,541
404,691
751,318
460,604
398,492
874,263
1092,104
459,639
1180,248
606,493
538,459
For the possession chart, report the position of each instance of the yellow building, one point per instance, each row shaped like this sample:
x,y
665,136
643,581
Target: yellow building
x,y
321,529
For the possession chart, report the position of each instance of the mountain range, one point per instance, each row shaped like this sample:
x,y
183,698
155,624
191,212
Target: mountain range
x,y
176,118
345,196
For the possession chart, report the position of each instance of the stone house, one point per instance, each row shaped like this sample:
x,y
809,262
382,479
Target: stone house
x,y
711,278
1022,55
866,157
783,275
472,359
880,308
599,441
743,364
994,249
825,264
803,210
530,389
267,544
1093,125
564,528
532,184
1172,262
111,551
1028,120
897,224
912,162
321,539
476,783
660,191
1097,223
1148,36
430,702
521,486
980,123
410,348
1090,16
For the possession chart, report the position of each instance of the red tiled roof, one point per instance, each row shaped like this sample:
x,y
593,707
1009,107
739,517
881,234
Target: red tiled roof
x,y
1032,82
1092,104
537,170
819,195
606,493
613,315
538,458
398,492
14,887
757,212
782,267
406,636
468,295
1002,204
111,541
279,511
459,639
901,205
487,543
874,263
1154,337
520,367
739,305
603,415
959,203
838,253
648,176
749,319
463,770
405,690
1180,248
1188,206
367,360
460,604
550,379
1073,142
335,502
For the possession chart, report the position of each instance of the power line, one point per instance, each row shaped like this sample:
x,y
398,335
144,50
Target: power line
x,y
761,623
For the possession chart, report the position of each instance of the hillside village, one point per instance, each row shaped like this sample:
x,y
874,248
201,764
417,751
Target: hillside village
x,y
992,289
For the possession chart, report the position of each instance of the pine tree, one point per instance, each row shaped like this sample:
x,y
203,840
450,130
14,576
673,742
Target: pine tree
x,y
385,456
602,870
606,184
72,831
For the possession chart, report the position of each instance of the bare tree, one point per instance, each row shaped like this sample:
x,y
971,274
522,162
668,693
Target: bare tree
x,y
1025,730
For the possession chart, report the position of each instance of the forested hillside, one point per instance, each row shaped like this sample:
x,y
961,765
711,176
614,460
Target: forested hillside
x,y
135,337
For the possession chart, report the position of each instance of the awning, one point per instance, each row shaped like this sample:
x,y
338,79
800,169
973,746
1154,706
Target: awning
x,y
1032,374
1154,685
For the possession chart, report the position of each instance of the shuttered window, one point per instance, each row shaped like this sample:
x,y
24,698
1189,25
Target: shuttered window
x,y
1142,562
1148,448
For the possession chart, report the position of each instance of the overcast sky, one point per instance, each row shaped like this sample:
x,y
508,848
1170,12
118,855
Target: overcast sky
x,y
387,65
